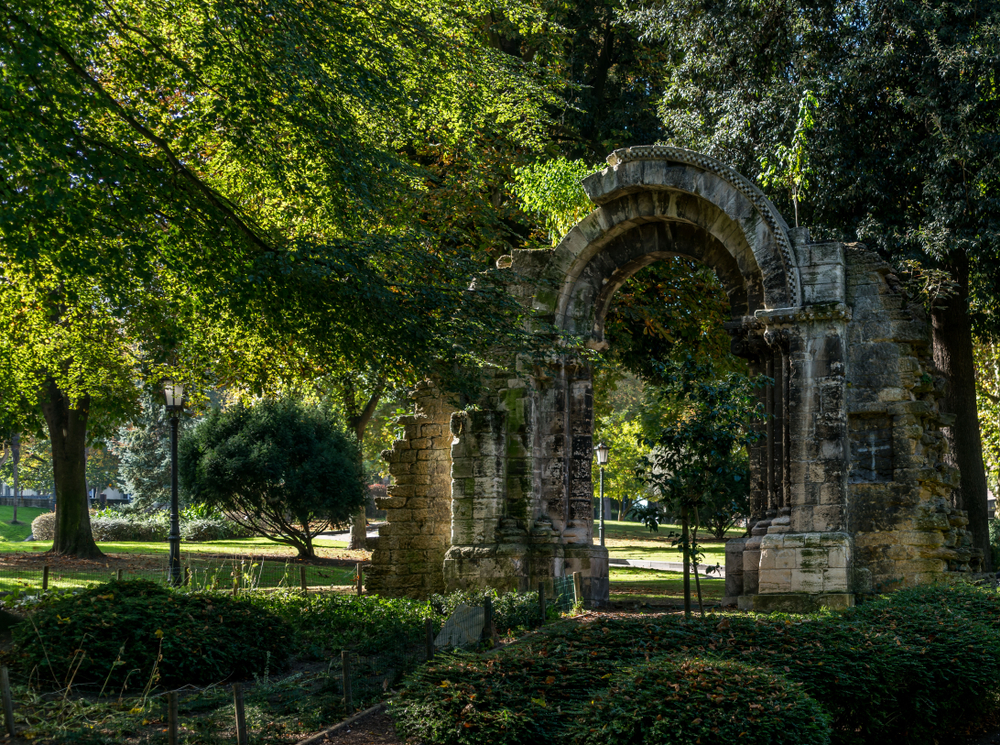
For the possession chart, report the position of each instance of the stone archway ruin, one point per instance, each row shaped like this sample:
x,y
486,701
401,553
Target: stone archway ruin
x,y
849,486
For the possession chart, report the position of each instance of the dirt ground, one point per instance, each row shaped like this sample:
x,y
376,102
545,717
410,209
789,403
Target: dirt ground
x,y
374,729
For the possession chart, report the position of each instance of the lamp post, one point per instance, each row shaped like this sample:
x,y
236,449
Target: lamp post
x,y
602,451
174,395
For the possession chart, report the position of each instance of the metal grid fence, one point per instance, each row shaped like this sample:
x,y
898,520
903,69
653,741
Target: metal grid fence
x,y
222,574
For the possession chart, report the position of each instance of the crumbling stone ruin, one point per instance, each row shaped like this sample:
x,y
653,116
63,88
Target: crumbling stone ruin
x,y
849,485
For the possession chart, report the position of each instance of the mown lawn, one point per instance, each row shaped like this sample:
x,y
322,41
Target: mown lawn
x,y
244,563
628,540
16,533
655,587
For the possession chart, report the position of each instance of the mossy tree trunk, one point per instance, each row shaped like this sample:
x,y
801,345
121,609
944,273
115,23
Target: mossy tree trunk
x,y
953,356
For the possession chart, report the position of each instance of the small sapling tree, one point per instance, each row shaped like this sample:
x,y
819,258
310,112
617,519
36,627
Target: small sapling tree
x,y
697,452
281,469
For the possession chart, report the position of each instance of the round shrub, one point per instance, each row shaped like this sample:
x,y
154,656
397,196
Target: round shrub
x,y
128,631
682,701
43,527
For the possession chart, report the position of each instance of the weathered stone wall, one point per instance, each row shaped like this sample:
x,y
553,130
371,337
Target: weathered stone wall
x,y
409,554
905,532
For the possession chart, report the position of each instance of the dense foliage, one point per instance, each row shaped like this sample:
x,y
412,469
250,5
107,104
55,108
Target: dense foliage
x,y
280,469
123,634
897,669
669,701
512,611
368,624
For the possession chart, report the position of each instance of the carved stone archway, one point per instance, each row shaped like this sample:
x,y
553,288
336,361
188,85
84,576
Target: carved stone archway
x,y
848,485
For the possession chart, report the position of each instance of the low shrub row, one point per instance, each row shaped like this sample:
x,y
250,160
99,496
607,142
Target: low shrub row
x,y
126,633
113,634
897,669
116,525
325,623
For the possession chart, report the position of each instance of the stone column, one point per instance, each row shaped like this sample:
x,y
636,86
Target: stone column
x,y
411,546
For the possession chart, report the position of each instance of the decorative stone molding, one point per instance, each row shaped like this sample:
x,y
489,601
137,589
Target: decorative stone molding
x,y
707,163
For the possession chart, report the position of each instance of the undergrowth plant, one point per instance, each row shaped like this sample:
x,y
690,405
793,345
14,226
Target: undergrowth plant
x,y
118,634
897,669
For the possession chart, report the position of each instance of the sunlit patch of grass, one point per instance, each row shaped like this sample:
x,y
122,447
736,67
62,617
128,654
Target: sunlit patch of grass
x,y
651,586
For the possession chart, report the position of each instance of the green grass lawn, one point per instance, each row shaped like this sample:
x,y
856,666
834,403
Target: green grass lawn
x,y
654,587
17,533
628,540
246,562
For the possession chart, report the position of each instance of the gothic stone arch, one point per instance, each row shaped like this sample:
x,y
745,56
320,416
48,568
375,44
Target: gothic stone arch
x,y
849,488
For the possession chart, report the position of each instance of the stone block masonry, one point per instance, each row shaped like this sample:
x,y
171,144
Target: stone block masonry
x,y
410,551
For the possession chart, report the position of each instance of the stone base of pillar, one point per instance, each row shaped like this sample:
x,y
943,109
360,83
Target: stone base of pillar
x,y
502,566
797,602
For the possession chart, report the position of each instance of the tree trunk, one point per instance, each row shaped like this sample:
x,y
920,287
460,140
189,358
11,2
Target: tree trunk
x,y
686,549
68,435
953,357
359,523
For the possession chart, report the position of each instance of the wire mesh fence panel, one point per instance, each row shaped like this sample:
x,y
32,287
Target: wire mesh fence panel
x,y
563,594
212,573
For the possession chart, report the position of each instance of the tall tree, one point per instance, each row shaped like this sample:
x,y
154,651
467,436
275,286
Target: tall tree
x,y
274,184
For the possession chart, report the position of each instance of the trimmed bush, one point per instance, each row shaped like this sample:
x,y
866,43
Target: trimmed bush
x,y
678,702
121,628
43,527
130,528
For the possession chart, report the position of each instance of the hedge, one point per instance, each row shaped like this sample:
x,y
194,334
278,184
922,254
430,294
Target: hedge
x,y
897,669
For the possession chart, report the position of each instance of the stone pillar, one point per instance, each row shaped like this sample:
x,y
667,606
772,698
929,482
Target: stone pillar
x,y
407,560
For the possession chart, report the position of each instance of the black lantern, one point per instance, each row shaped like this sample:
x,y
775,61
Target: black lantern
x,y
602,451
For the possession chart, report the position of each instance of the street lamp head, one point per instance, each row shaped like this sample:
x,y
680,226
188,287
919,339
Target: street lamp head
x,y
602,451
173,393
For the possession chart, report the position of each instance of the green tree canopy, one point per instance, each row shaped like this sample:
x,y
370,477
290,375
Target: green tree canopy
x,y
245,195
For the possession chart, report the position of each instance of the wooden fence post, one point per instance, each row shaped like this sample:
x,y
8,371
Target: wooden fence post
x,y
360,577
45,577
302,579
541,600
172,718
241,718
429,638
577,588
8,701
118,574
345,669
488,619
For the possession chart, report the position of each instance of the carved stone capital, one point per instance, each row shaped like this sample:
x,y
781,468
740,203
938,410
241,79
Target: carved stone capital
x,y
803,314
